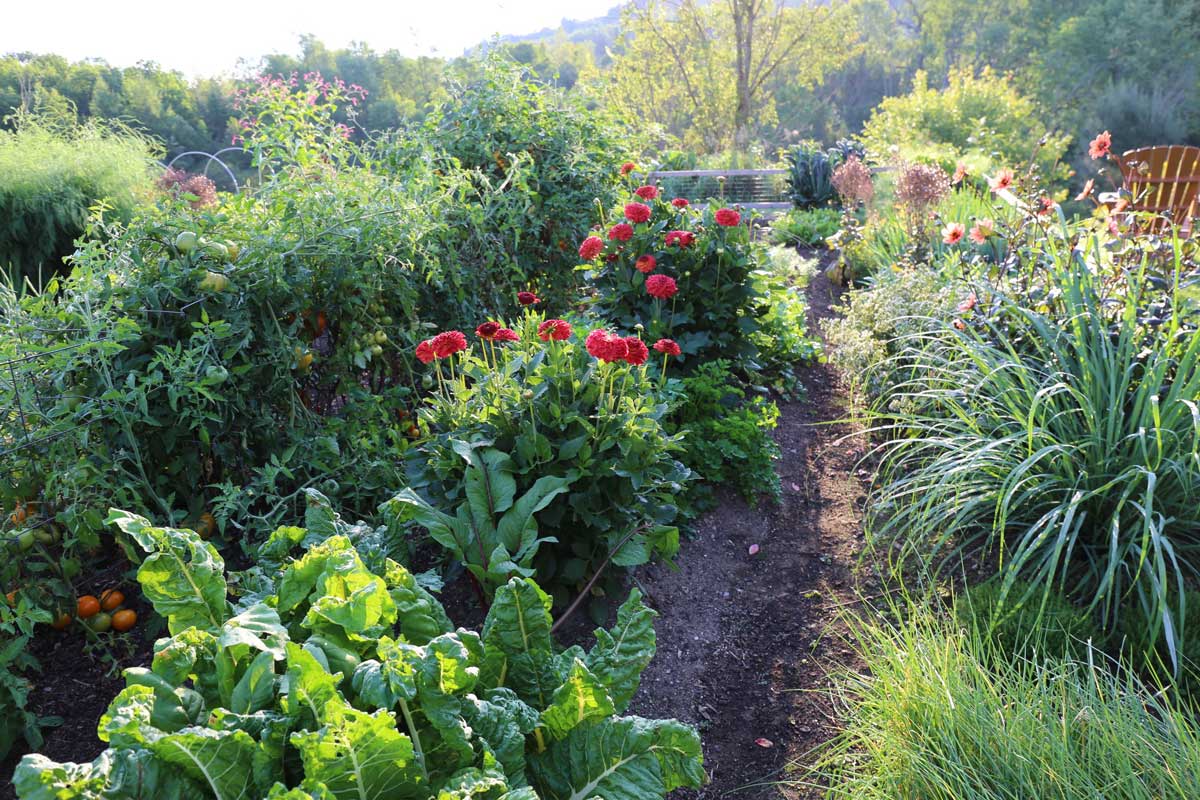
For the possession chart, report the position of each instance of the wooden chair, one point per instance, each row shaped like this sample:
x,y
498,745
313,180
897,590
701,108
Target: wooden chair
x,y
1163,180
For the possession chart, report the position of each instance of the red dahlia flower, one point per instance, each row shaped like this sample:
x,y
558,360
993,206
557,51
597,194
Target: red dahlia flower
x,y
646,264
1045,206
636,351
982,231
507,335
667,347
1101,146
425,352
556,329
591,248
728,218
449,343
680,202
528,298
606,346
661,286
621,232
487,330
637,212
647,192
681,238
628,167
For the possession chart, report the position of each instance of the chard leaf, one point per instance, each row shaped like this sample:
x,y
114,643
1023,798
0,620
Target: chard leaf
x,y
450,532
256,629
421,616
489,483
309,687
501,723
625,758
360,756
182,576
473,782
582,698
220,761
621,655
393,678
256,689
517,529
126,723
517,641
445,672
115,774
309,790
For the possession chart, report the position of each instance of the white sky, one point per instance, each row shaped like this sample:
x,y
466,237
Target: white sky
x,y
206,37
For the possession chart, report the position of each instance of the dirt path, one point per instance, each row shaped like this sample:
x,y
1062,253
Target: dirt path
x,y
743,645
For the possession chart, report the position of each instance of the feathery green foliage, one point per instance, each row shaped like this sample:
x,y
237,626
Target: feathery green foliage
x,y
51,175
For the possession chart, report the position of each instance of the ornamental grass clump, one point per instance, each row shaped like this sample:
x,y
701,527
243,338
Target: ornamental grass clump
x,y
1059,444
940,714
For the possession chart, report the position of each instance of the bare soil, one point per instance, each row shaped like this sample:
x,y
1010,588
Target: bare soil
x,y
746,642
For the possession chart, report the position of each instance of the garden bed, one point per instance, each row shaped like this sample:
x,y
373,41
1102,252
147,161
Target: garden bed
x,y
742,638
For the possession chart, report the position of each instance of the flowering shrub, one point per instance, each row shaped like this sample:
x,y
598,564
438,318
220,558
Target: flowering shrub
x,y
291,120
198,190
680,273
560,405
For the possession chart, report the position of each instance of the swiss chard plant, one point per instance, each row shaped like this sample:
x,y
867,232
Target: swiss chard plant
x,y
313,676
493,533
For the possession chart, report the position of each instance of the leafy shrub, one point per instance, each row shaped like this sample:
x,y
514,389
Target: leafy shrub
x,y
867,340
537,161
937,714
1062,440
979,119
561,416
810,172
807,227
727,439
18,617
51,175
328,679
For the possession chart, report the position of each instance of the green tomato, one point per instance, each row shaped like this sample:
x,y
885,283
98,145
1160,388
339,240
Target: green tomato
x,y
386,320
427,381
25,540
216,374
380,337
376,349
48,534
99,622
214,282
232,250
218,250
186,242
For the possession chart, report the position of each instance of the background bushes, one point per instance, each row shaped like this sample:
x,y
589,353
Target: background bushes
x,y
51,175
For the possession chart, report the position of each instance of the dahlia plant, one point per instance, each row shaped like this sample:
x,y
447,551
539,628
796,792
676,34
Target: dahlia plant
x,y
568,400
680,272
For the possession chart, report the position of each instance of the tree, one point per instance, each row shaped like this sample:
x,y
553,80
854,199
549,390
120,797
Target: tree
x,y
706,71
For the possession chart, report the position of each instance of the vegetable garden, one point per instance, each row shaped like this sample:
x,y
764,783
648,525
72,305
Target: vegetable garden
x,y
458,461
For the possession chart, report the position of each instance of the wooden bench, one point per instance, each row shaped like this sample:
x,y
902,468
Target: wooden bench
x,y
1163,181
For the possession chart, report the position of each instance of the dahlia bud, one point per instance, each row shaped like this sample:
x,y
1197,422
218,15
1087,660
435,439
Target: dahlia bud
x,y
527,394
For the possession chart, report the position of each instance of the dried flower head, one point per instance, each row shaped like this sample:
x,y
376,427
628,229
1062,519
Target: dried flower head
x,y
921,186
852,180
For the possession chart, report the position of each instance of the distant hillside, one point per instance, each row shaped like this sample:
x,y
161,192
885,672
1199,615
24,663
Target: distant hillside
x,y
599,32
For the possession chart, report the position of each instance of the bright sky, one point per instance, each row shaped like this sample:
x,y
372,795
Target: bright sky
x,y
206,37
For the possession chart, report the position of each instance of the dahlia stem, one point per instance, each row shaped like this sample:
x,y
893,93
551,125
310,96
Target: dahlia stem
x,y
662,381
